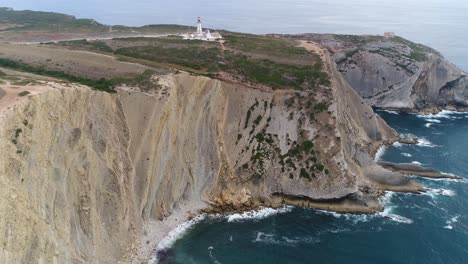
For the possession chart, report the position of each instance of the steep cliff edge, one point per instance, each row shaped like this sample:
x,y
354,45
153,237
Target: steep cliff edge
x,y
395,73
83,171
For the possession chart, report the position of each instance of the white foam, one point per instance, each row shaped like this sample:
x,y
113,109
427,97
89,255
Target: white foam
x,y
451,221
261,213
380,153
406,154
265,238
213,259
416,162
387,213
397,218
174,235
428,125
446,114
431,120
391,112
397,144
422,142
435,192
355,218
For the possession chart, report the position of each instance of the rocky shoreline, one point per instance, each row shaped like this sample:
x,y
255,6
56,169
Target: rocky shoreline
x,y
417,170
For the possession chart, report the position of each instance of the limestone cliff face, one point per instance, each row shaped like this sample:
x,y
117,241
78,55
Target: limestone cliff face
x,y
66,179
398,74
82,171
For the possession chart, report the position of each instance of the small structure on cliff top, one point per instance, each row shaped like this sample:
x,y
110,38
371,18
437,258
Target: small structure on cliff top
x,y
200,35
389,35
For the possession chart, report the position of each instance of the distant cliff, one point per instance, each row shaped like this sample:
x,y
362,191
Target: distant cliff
x,y
396,73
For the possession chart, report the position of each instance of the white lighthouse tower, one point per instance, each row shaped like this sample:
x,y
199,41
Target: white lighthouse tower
x,y
199,27
200,35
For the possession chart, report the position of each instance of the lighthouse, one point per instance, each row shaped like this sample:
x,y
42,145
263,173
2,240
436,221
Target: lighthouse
x,y
200,35
199,27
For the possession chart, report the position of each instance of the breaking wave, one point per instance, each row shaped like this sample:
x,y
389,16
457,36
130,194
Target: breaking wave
x,y
387,213
267,238
422,142
210,252
435,192
380,153
391,112
174,235
406,154
261,213
444,114
451,221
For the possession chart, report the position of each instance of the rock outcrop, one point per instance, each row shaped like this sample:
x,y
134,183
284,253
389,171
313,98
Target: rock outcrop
x,y
398,74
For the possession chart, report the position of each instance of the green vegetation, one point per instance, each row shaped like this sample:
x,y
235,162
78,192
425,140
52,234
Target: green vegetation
x,y
258,59
33,20
358,40
418,51
249,113
102,84
418,56
275,75
18,131
320,167
307,146
92,45
304,174
265,45
24,93
24,82
195,57
321,107
257,120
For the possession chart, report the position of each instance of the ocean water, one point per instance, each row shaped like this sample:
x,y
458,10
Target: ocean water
x,y
441,24
429,228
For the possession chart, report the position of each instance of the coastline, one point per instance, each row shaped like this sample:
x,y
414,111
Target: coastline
x,y
145,247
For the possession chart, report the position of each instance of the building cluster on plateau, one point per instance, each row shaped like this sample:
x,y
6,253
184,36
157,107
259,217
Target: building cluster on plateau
x,y
200,35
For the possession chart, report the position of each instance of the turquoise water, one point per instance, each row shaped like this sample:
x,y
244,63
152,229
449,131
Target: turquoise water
x,y
427,229
441,24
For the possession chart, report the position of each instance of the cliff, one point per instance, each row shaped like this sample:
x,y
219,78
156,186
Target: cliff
x,y
398,74
83,171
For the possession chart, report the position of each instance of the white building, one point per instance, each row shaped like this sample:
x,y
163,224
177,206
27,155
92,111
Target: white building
x,y
200,35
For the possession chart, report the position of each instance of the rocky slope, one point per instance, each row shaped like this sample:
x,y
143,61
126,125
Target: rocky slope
x,y
83,171
396,73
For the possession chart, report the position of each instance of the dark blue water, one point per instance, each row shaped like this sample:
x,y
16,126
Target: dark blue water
x,y
441,24
425,229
